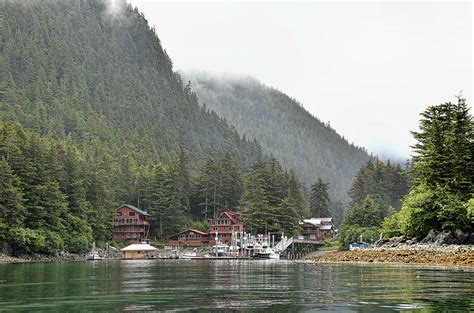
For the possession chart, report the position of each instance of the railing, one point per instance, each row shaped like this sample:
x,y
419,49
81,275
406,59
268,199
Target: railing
x,y
131,223
283,244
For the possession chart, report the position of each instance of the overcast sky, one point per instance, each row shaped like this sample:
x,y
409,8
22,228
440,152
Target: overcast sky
x,y
368,68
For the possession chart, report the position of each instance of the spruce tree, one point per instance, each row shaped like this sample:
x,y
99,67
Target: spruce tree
x,y
319,202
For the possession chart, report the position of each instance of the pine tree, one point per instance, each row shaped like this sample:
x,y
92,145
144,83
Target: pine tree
x,y
12,210
443,149
319,202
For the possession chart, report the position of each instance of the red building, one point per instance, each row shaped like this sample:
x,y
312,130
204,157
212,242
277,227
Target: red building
x,y
189,238
226,223
130,224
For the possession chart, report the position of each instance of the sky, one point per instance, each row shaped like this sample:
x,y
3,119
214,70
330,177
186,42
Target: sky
x,y
368,68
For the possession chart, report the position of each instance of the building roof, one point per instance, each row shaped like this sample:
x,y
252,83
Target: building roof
x,y
325,227
131,207
317,221
139,247
231,215
193,230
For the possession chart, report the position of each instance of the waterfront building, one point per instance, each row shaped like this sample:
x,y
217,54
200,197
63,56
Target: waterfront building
x,y
226,224
130,224
189,238
139,251
317,228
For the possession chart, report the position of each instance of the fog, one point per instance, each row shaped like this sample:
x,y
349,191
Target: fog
x,y
367,68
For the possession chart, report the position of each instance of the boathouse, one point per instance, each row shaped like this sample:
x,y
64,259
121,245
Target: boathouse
x,y
317,228
189,238
130,224
224,225
139,251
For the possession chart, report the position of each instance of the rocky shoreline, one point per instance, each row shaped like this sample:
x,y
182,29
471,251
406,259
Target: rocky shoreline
x,y
416,254
59,257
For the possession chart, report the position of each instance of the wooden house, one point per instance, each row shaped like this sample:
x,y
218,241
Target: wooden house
x,y
130,224
224,225
139,251
189,238
317,228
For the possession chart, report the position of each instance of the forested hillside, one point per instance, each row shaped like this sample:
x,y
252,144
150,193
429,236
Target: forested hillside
x,y
92,116
75,69
283,128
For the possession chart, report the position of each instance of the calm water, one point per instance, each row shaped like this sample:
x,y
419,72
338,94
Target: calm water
x,y
231,285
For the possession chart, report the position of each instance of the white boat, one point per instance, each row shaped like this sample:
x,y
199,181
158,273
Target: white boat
x,y
267,253
188,255
93,256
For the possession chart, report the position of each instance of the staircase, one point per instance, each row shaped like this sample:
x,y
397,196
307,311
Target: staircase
x,y
283,244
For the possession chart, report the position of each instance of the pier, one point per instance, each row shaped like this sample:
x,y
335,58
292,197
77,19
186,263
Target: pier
x,y
294,249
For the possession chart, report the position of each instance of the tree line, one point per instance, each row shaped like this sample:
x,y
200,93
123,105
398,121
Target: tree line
x,y
55,197
434,192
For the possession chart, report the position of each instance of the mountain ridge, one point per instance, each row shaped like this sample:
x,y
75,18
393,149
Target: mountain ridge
x,y
283,127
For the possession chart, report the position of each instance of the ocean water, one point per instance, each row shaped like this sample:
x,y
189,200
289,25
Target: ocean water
x,y
228,285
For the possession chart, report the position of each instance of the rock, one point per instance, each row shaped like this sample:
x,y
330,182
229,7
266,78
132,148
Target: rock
x,y
409,242
470,239
447,238
430,238
460,236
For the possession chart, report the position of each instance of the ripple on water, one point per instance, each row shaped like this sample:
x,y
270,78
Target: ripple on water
x,y
243,285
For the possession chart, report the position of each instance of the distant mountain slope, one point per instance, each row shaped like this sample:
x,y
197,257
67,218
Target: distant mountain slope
x,y
77,69
282,127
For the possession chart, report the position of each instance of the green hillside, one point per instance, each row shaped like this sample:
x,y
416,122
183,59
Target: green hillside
x,y
92,115
283,128
73,69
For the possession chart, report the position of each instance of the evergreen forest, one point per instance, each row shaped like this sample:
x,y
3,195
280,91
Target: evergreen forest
x,y
303,143
93,116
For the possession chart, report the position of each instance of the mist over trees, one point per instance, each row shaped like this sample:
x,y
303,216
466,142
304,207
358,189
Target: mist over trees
x,y
283,128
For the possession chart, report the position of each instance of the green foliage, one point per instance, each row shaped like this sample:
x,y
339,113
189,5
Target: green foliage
x,y
385,183
441,198
470,211
427,208
391,226
367,214
444,154
216,187
353,233
198,225
264,206
284,129
365,219
93,116
79,235
319,202
330,244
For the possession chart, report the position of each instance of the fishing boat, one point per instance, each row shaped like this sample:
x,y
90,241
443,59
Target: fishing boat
x,y
266,253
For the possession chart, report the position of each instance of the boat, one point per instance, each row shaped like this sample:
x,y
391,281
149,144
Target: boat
x,y
222,250
266,253
188,255
93,256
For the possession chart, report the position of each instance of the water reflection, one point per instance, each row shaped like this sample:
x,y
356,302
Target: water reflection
x,y
242,285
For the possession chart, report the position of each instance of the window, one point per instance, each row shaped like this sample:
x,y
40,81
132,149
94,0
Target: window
x,y
131,213
119,213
